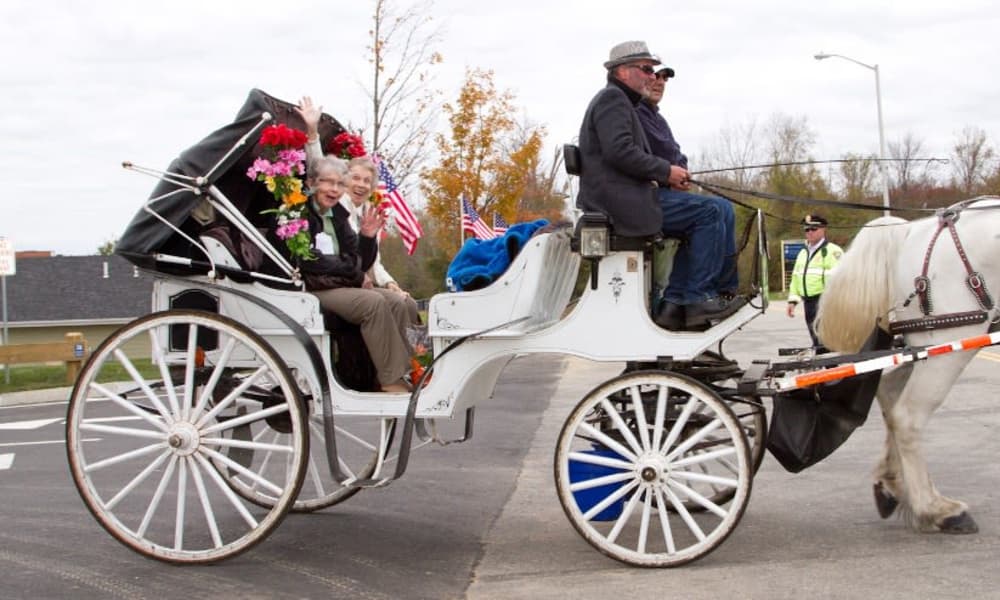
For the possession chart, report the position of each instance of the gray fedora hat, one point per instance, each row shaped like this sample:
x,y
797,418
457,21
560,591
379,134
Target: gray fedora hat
x,y
627,52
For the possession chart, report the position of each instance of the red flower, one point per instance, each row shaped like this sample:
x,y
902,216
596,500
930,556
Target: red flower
x,y
347,146
280,136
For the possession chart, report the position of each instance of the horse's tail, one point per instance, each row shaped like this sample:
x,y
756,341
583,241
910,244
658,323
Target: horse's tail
x,y
859,290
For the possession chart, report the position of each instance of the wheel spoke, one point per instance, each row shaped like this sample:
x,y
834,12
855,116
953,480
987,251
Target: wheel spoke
x,y
640,416
644,523
126,456
129,406
246,419
679,424
623,518
704,457
609,500
597,459
206,505
607,441
154,502
694,439
685,515
661,408
703,501
155,464
145,434
599,481
168,416
231,396
621,426
213,380
181,504
168,383
668,535
231,443
233,498
705,478
242,470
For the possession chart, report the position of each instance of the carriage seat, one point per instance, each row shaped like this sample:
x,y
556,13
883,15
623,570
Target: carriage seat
x,y
531,294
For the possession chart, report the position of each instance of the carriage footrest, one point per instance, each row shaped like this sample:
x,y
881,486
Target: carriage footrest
x,y
752,376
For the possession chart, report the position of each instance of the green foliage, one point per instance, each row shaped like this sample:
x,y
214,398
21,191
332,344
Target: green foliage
x,y
40,377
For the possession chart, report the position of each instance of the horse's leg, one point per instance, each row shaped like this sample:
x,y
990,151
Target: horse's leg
x,y
921,396
887,486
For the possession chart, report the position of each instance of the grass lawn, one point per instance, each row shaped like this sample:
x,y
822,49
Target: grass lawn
x,y
39,377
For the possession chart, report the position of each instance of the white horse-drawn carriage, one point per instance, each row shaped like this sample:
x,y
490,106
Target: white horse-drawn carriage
x,y
246,418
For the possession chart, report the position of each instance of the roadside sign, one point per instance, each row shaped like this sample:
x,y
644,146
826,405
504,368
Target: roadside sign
x,y
8,265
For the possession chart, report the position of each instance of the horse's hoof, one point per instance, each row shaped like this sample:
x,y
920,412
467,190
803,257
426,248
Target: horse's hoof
x,y
885,502
961,523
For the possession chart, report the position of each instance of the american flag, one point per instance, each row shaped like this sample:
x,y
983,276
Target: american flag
x,y
472,223
499,225
406,222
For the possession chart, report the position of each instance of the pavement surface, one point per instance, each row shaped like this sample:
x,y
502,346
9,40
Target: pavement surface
x,y
815,534
35,396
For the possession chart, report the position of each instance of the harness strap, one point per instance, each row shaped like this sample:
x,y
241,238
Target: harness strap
x,y
938,322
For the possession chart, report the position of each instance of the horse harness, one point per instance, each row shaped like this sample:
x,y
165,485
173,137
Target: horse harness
x,y
922,285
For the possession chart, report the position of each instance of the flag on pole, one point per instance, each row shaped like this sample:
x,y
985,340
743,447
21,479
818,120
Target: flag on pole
x,y
406,222
472,223
499,225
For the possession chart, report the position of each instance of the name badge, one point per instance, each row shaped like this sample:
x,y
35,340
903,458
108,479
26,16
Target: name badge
x,y
324,243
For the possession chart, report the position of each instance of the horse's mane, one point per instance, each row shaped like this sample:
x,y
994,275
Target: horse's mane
x,y
858,293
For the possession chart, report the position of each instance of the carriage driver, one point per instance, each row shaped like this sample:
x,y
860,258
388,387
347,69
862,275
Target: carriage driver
x,y
812,266
622,178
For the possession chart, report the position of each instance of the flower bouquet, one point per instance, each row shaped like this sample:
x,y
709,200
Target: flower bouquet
x,y
347,146
280,167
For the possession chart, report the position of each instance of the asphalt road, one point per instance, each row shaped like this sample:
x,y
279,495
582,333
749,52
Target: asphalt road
x,y
420,537
482,520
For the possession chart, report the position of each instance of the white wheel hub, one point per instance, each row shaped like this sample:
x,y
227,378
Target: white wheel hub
x,y
183,439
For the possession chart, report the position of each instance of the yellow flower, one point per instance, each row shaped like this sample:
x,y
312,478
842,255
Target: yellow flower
x,y
270,183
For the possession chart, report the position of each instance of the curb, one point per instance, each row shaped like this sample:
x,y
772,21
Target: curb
x,y
60,394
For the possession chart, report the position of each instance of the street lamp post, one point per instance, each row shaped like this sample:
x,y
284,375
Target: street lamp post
x,y
881,128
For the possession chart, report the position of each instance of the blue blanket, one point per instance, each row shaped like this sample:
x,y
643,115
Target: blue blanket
x,y
480,262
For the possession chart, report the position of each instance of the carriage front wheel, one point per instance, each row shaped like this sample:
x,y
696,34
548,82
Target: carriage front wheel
x,y
152,451
632,457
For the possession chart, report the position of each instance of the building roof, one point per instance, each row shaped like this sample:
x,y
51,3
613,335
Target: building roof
x,y
77,288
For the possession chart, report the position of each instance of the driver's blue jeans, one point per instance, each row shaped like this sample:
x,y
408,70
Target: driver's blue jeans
x,y
705,264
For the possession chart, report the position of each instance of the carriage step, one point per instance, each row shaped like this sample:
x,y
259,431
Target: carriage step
x,y
752,376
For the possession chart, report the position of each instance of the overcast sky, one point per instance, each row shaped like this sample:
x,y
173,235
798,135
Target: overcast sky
x,y
90,84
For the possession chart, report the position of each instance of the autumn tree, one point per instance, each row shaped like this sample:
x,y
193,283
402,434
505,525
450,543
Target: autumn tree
x,y
402,56
971,159
485,158
858,176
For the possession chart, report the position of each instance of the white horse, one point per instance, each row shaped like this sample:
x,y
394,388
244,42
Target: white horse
x,y
870,287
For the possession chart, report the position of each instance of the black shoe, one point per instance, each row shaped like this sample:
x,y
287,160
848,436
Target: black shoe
x,y
716,309
670,316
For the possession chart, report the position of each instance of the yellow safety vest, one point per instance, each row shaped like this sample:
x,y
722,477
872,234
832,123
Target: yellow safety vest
x,y
810,272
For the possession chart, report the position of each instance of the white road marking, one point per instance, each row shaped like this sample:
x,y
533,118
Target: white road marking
x,y
26,425
45,442
6,460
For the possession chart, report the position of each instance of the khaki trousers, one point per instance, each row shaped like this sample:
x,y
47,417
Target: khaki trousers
x,y
383,317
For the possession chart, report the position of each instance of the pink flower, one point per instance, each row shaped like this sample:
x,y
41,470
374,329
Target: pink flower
x,y
291,228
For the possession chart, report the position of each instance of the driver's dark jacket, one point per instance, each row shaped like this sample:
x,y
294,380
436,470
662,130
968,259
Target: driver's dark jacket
x,y
617,167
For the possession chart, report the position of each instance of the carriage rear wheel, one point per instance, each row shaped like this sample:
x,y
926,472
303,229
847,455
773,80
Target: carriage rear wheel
x,y
153,456
624,473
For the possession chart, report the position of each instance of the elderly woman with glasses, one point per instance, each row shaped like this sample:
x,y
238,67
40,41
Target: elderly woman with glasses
x,y
337,273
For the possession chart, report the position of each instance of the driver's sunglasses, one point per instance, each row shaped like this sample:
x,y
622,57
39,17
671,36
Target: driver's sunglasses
x,y
810,228
647,69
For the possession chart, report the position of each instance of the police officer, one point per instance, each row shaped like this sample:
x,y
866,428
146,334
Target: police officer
x,y
812,266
